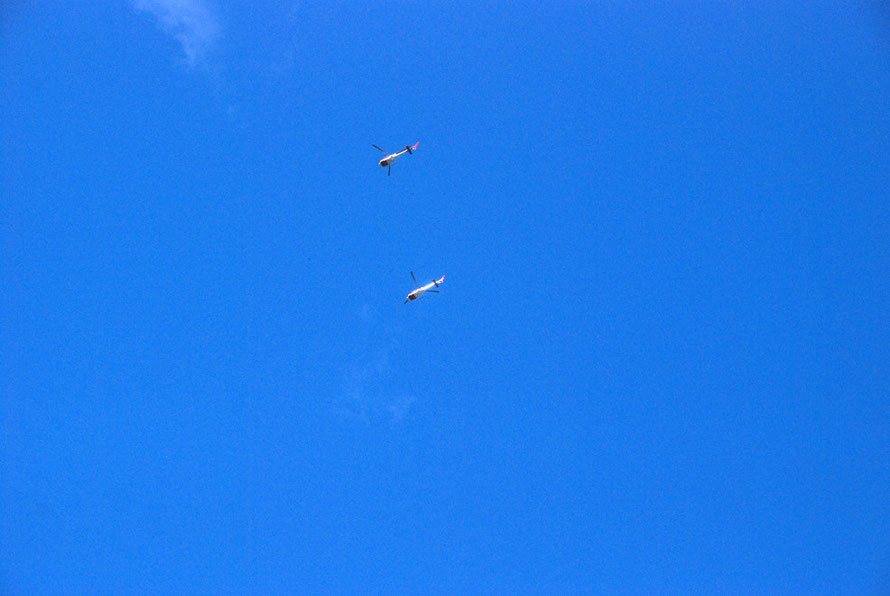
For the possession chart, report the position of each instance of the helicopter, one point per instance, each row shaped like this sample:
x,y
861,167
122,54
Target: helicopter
x,y
387,161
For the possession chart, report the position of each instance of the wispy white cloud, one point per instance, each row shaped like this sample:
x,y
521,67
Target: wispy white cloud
x,y
191,22
367,393
398,407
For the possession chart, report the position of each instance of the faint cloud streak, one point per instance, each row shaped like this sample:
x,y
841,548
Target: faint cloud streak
x,y
398,408
191,22
367,394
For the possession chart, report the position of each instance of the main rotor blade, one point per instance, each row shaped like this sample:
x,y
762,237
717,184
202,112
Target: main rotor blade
x,y
416,285
376,147
433,291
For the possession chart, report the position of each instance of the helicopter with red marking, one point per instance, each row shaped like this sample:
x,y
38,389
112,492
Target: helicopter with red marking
x,y
420,290
387,161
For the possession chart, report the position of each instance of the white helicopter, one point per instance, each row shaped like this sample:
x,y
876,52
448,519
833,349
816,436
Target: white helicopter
x,y
387,161
427,288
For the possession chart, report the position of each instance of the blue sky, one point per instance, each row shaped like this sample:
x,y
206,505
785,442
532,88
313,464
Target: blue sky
x,y
659,362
